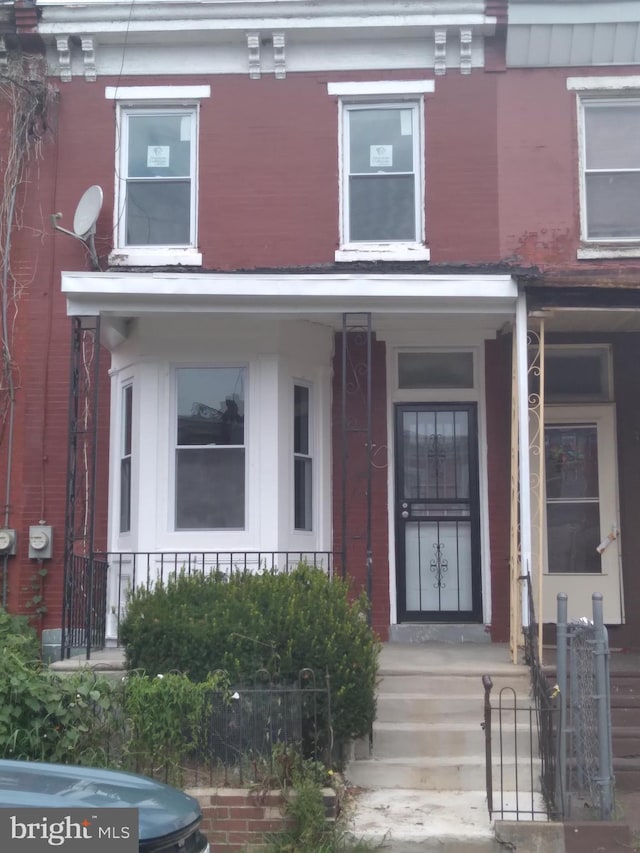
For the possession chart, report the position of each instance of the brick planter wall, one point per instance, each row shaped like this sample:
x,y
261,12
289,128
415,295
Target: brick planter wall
x,y
239,819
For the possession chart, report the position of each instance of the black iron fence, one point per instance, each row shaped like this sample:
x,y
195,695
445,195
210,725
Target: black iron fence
x,y
553,755
85,605
97,587
260,733
520,755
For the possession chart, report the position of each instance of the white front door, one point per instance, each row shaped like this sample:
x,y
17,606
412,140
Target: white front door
x,y
582,553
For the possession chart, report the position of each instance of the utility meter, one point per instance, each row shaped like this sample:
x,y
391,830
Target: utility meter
x,y
7,541
40,541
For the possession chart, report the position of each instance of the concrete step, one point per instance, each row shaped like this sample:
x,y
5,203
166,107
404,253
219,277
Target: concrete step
x,y
452,773
463,684
426,707
449,739
412,820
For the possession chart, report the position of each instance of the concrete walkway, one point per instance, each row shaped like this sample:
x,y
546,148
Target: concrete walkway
x,y
103,660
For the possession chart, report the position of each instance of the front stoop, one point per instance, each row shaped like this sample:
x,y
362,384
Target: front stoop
x,y
424,784
574,837
404,821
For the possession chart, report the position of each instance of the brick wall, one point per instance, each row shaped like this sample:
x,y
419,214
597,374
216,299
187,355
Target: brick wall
x,y
356,465
239,819
498,391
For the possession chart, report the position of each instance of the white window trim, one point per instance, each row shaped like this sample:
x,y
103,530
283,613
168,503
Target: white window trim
x,y
398,88
603,84
311,455
157,93
601,90
382,250
130,99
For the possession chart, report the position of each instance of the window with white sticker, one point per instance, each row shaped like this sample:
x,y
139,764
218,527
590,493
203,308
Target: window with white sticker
x,y
382,197
382,181
157,188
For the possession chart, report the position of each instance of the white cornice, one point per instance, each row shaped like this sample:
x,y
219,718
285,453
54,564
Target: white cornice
x,y
246,14
261,36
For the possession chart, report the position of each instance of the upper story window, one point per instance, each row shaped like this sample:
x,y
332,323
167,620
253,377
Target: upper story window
x,y
609,136
611,154
210,448
157,178
156,202
382,170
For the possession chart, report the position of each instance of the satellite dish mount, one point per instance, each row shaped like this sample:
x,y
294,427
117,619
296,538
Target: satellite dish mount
x,y
84,221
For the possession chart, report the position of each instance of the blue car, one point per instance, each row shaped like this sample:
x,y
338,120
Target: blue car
x,y
168,819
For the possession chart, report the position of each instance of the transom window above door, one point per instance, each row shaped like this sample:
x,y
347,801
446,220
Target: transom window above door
x,y
210,448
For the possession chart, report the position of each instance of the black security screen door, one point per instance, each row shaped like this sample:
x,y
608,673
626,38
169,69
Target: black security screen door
x,y
437,513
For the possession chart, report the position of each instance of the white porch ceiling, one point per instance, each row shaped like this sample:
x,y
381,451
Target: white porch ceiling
x,y
595,320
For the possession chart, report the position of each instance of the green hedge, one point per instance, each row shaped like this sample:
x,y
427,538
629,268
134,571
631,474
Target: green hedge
x,y
280,622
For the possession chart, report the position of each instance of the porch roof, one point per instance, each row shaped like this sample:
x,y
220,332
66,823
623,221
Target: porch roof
x,y
127,294
121,297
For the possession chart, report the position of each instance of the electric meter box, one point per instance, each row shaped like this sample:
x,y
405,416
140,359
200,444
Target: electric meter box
x,y
40,542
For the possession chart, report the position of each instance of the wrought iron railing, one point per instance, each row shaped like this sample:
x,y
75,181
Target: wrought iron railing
x,y
527,742
515,754
106,579
85,612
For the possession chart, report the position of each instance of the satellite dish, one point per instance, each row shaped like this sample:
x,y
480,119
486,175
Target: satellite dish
x,y
84,221
87,211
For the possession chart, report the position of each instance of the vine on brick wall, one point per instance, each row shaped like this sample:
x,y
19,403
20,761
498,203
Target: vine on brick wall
x,y
25,100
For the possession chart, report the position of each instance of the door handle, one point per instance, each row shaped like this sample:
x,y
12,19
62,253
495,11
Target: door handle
x,y
404,513
615,532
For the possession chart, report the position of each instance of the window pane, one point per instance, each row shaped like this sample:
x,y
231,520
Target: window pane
x,y
436,455
301,419
160,146
576,374
612,133
158,213
125,495
210,405
128,397
303,492
382,208
210,488
571,462
573,534
125,461
613,205
435,370
381,140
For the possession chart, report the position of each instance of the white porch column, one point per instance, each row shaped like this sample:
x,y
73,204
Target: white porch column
x,y
523,438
